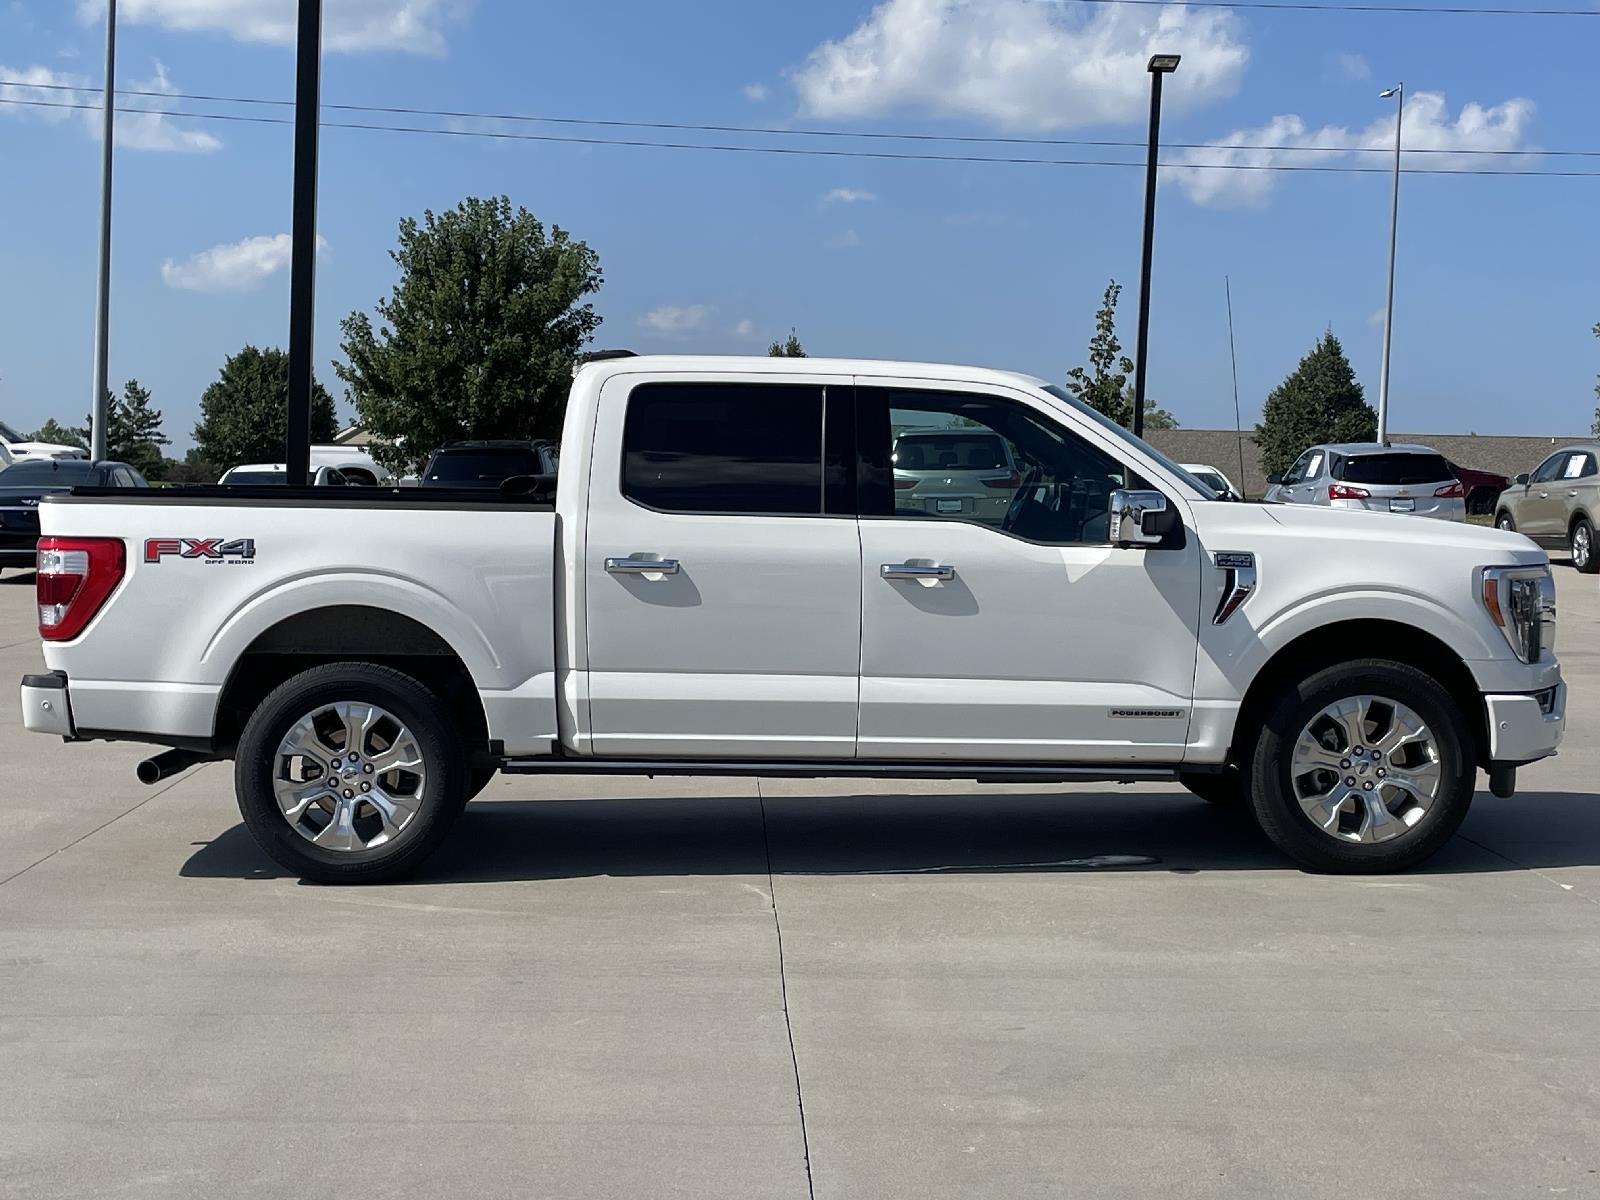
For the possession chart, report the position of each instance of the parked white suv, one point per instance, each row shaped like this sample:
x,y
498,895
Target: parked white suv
x,y
1415,480
729,582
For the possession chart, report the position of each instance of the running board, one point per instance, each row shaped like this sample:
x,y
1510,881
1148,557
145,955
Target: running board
x,y
998,772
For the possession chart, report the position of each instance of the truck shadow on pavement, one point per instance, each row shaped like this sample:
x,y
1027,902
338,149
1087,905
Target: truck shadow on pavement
x,y
884,834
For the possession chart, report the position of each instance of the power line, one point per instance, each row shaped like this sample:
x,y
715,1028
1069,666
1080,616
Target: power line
x,y
763,130
1286,5
810,151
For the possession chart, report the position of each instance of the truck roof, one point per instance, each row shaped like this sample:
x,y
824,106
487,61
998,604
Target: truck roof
x,y
763,364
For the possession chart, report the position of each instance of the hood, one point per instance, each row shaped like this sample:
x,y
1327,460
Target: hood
x,y
1319,521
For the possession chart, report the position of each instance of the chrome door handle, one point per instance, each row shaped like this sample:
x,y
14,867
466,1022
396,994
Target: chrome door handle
x,y
915,571
1572,491
641,566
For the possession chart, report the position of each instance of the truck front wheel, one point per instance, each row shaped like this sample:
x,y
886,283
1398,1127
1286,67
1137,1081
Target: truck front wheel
x,y
350,773
1365,766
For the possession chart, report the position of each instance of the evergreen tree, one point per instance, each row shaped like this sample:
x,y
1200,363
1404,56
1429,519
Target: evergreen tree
x,y
57,434
244,414
790,348
1320,401
133,431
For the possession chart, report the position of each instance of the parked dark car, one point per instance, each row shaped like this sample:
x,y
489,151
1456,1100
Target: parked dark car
x,y
1483,488
489,464
25,483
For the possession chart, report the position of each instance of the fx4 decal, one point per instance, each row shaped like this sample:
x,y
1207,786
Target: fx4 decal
x,y
209,550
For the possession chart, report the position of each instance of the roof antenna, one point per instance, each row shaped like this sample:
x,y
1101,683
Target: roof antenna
x,y
1238,425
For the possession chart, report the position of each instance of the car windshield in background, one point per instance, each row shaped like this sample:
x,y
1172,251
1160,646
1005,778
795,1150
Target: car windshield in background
x,y
53,472
256,478
482,468
1211,480
1396,470
955,452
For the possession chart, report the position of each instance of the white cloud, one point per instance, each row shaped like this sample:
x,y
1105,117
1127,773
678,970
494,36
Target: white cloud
x,y
1020,63
348,26
756,92
848,240
135,130
1352,67
744,328
675,320
1375,318
844,195
1428,126
233,266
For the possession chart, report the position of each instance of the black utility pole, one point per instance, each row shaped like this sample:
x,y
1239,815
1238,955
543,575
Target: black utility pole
x,y
303,260
1160,64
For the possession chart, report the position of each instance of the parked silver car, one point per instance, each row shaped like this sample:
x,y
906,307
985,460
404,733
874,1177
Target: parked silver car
x,y
1556,504
1375,477
955,472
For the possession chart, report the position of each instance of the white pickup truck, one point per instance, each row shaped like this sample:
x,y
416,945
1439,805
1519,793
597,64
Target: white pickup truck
x,y
793,567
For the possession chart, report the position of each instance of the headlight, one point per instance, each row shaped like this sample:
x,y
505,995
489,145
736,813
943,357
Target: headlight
x,y
1522,602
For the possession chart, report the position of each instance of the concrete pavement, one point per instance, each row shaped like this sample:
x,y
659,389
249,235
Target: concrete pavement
x,y
585,994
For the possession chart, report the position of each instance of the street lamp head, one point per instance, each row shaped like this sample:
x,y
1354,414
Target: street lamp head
x,y
1164,64
1388,92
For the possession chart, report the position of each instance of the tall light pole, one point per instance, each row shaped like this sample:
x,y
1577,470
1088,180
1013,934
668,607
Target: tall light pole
x,y
1160,64
1398,91
102,314
303,253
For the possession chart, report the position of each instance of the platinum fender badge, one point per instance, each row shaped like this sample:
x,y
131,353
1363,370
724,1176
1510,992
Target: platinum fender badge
x,y
1239,581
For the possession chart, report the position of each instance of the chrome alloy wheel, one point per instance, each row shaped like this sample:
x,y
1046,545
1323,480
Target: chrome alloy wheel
x,y
348,776
1581,548
1366,769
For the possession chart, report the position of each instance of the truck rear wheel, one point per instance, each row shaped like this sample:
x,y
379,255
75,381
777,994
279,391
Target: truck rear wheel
x,y
350,773
1365,766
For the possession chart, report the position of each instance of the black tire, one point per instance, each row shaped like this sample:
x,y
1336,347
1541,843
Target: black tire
x,y
1224,788
1506,521
442,794
1272,797
479,778
1581,540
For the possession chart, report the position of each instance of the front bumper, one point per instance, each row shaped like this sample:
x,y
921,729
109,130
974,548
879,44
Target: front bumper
x,y
46,707
1524,727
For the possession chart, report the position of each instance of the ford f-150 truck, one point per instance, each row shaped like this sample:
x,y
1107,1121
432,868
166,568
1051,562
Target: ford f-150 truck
x,y
734,578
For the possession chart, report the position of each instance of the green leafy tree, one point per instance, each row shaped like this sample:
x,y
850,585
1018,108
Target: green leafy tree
x,y
1319,402
789,348
1103,385
194,468
57,434
479,337
133,431
244,414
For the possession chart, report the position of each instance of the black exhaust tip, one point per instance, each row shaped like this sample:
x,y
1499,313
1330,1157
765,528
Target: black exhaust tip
x,y
167,764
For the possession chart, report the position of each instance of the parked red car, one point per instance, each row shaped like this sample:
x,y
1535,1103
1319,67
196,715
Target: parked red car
x,y
1483,488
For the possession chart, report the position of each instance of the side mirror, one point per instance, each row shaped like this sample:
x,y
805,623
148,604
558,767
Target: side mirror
x,y
1521,480
1141,518
1275,478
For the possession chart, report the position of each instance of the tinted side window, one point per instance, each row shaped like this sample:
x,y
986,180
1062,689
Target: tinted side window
x,y
964,457
724,448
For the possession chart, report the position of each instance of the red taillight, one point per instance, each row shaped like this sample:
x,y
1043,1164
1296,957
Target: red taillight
x,y
1004,483
901,485
75,576
1343,491
1450,491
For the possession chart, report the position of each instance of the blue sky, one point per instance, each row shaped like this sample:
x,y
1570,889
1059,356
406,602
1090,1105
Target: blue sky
x,y
985,263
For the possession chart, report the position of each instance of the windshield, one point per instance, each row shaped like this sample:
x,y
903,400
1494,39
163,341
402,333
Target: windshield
x,y
1212,480
944,451
485,467
1396,470
1140,444
10,434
